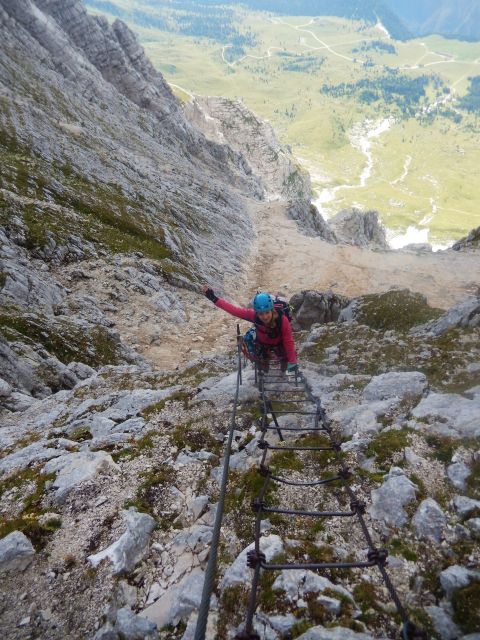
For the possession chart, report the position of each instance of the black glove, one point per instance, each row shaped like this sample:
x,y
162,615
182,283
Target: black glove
x,y
210,295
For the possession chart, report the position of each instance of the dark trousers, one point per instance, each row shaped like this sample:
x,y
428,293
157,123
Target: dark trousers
x,y
266,352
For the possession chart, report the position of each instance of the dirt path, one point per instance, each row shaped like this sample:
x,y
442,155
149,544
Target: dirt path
x,y
286,257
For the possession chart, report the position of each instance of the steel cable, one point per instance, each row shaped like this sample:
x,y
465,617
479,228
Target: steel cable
x,y
212,558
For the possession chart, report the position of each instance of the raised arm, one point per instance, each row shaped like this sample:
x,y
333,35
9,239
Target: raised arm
x,y
238,312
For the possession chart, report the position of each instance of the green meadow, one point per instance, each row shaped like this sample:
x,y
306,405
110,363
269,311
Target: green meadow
x,y
324,84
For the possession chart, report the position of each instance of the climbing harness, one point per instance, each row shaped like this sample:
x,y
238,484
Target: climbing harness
x,y
291,395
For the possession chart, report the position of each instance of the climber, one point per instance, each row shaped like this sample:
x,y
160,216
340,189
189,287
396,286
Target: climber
x,y
273,329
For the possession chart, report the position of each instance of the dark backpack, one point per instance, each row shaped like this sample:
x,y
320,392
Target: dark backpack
x,y
281,304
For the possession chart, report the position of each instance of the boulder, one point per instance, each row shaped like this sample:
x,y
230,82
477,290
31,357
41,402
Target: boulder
x,y
222,391
463,315
178,603
333,633
401,384
16,552
458,472
429,520
388,501
465,506
469,242
361,420
363,229
443,623
134,627
474,525
312,307
449,414
457,577
297,583
239,573
74,468
131,547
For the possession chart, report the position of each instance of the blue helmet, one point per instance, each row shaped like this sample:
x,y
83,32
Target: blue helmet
x,y
262,302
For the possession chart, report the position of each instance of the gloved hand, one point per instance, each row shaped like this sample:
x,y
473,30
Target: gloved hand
x,y
208,291
291,368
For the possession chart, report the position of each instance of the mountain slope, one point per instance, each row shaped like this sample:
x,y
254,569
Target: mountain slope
x,y
87,124
459,18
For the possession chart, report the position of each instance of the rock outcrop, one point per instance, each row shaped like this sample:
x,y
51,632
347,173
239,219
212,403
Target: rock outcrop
x,y
359,228
470,243
310,307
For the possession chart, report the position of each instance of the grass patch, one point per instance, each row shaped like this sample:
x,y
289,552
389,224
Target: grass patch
x,y
400,547
194,439
177,396
285,460
386,444
398,310
142,445
233,604
28,519
94,346
443,447
150,492
466,607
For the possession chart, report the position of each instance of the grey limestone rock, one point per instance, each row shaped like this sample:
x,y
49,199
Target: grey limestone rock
x,y
16,552
396,384
361,420
126,625
179,601
5,389
429,520
418,247
223,389
74,468
239,573
130,626
333,633
449,414
464,315
310,307
34,453
131,547
458,472
443,623
464,506
474,525
388,501
364,229
470,242
282,178
296,584
456,577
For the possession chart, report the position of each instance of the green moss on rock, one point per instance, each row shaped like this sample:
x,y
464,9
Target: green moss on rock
x,y
466,607
398,309
386,444
95,346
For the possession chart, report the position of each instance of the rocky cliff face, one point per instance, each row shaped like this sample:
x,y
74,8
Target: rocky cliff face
x,y
89,125
282,177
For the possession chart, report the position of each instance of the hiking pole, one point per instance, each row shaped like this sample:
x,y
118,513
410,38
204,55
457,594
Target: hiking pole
x,y
239,349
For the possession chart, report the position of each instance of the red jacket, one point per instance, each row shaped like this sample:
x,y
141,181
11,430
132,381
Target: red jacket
x,y
285,338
